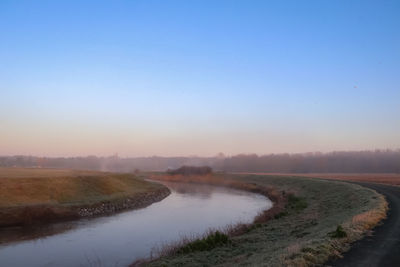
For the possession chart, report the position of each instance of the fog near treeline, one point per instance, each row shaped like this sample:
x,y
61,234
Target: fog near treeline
x,y
383,161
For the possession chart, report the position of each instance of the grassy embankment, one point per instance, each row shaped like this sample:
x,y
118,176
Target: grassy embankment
x,y
320,219
380,178
44,195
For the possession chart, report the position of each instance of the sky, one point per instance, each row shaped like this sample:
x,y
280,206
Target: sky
x,y
178,78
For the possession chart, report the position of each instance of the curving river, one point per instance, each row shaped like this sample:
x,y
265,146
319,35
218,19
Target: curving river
x,y
120,239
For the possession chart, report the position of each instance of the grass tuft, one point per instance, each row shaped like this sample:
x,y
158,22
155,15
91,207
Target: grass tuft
x,y
296,203
209,242
338,233
281,214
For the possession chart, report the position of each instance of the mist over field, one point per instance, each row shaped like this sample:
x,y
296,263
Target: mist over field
x,y
379,161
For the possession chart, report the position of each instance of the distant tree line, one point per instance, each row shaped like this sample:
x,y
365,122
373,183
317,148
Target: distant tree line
x,y
334,162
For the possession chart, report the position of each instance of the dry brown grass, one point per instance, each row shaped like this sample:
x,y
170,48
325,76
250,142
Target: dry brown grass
x,y
303,255
355,228
293,249
64,187
369,219
8,172
29,194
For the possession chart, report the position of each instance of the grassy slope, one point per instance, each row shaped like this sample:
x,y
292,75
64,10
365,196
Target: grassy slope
x,y
23,187
46,195
301,237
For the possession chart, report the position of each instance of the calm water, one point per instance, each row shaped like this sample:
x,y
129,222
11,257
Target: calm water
x,y
120,239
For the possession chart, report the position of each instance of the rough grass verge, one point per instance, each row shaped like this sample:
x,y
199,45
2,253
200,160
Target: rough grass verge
x,y
296,234
340,239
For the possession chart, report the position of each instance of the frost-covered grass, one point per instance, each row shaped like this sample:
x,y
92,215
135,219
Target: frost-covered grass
x,y
301,235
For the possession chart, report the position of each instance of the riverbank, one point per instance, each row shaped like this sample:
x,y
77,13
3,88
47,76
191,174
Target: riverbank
x,y
321,223
37,196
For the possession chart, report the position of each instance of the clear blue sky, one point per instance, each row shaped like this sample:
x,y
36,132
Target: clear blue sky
x,y
198,77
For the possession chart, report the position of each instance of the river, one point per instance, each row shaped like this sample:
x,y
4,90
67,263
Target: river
x,y
120,239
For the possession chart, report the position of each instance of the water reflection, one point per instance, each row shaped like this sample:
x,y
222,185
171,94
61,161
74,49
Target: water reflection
x,y
122,238
14,234
194,190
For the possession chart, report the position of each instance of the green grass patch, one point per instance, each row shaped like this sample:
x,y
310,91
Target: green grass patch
x,y
281,214
296,203
211,241
338,233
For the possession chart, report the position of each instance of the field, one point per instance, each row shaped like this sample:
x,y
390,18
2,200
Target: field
x,y
319,222
36,195
380,178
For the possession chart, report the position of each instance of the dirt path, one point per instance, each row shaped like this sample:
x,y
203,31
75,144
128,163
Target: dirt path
x,y
383,247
